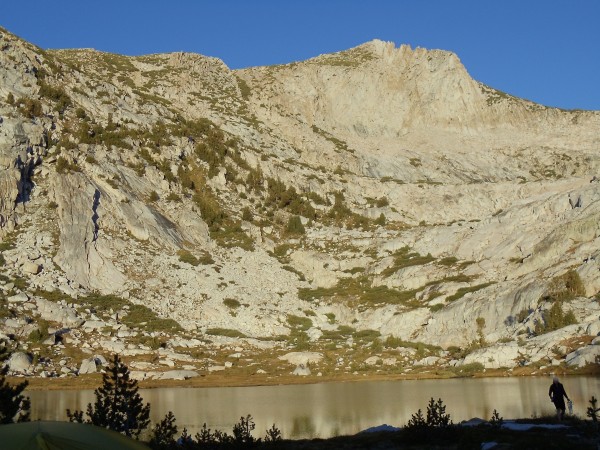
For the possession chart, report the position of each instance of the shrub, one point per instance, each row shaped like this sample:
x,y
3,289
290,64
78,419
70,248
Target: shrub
x,y
242,432
302,323
294,226
467,370
142,315
273,434
566,287
247,214
382,202
187,257
448,261
30,108
380,220
153,197
40,333
210,210
227,332
231,303
405,258
232,235
173,197
63,165
461,292
554,319
417,421
496,421
593,410
522,315
57,95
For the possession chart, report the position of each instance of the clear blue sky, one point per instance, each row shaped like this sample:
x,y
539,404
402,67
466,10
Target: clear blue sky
x,y
547,51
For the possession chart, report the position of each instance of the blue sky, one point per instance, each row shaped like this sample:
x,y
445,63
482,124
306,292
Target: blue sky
x,y
543,50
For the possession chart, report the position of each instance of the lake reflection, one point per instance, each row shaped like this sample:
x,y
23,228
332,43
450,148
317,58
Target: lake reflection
x,y
330,409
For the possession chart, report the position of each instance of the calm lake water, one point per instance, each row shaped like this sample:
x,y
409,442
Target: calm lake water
x,y
330,409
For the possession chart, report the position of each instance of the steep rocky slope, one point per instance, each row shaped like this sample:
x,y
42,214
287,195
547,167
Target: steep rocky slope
x,y
377,206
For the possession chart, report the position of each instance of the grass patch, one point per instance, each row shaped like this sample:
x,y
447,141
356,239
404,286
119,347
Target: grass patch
x,y
301,323
359,291
233,236
565,287
448,261
421,348
405,258
187,257
227,332
467,370
461,292
301,276
231,303
366,335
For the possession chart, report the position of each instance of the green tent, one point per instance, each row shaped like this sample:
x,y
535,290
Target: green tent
x,y
46,435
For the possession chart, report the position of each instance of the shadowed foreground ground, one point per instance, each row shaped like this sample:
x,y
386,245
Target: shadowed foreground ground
x,y
579,434
453,438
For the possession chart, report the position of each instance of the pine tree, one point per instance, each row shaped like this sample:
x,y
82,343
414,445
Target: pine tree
x,y
436,414
163,434
14,407
118,405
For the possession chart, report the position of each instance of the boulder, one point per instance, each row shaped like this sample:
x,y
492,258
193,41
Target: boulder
x,y
581,357
140,375
18,298
32,268
304,358
495,356
593,329
91,325
428,361
301,370
19,362
87,366
177,375
56,312
112,346
372,360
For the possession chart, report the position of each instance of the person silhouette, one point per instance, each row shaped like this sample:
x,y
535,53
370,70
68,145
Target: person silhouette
x,y
557,395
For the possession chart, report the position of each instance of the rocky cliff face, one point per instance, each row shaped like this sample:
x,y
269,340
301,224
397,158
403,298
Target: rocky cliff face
x,y
361,204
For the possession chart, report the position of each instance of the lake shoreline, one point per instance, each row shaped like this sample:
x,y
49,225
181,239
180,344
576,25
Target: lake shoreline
x,y
92,381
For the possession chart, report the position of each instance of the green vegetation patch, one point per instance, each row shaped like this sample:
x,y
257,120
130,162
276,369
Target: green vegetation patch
x,y
227,332
461,292
565,287
555,318
231,236
405,258
360,291
301,323
339,144
232,303
187,257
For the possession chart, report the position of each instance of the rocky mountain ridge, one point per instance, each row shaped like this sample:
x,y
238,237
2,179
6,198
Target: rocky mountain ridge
x,y
376,206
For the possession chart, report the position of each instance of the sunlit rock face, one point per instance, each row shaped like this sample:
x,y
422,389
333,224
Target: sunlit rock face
x,y
374,193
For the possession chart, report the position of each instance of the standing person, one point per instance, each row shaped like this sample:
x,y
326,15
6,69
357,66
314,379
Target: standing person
x,y
557,396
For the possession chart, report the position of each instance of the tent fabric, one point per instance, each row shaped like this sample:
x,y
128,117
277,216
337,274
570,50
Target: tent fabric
x,y
47,435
